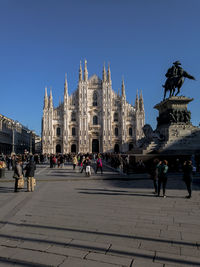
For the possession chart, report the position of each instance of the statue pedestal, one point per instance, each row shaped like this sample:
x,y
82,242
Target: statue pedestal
x,y
174,127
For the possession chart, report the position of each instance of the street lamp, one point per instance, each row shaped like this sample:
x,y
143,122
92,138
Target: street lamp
x,y
30,140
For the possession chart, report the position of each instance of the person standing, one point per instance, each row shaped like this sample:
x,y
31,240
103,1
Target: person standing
x,y
99,164
154,174
18,173
162,176
187,176
87,166
75,161
30,173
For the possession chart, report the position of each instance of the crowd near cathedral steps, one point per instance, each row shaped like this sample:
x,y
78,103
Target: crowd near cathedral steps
x,y
94,118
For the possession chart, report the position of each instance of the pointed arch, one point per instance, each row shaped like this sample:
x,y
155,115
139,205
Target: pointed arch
x,y
95,99
115,116
73,116
95,120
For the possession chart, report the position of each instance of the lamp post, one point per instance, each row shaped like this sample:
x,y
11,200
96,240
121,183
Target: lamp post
x,y
13,139
30,141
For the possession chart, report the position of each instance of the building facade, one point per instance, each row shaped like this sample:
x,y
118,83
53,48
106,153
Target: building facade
x,y
92,119
14,137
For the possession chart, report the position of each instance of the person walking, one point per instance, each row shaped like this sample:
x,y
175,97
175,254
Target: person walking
x,y
30,173
187,176
162,176
87,166
99,164
75,162
18,173
154,174
83,164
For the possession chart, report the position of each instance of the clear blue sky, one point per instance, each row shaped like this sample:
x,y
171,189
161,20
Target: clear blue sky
x,y
40,40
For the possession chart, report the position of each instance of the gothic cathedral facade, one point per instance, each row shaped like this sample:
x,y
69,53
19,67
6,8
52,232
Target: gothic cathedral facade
x,y
92,119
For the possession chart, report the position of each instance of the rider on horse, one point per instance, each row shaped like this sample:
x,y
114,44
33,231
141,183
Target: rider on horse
x,y
174,71
175,78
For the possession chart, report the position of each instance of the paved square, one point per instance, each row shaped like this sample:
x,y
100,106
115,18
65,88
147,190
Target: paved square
x,y
103,220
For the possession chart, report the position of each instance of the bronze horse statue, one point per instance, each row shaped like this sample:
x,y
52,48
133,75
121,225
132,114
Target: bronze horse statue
x,y
176,81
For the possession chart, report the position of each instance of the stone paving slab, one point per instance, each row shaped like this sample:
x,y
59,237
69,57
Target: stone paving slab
x,y
109,259
142,263
176,259
132,253
36,257
73,262
66,251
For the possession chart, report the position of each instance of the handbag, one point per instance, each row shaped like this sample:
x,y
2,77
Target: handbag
x,y
21,182
34,181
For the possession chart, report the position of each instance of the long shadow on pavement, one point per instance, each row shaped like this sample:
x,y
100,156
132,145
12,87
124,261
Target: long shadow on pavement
x,y
111,251
91,232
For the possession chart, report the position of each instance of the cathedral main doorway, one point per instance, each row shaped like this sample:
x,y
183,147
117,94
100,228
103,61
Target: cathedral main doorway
x,y
73,148
116,148
95,146
58,148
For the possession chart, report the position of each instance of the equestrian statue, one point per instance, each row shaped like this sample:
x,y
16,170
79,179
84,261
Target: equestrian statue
x,y
175,79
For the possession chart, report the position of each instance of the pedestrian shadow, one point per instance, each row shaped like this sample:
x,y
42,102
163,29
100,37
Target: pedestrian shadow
x,y
115,194
96,191
5,189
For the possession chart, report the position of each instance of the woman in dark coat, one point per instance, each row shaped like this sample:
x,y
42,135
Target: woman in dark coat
x,y
162,176
18,173
154,174
187,176
30,173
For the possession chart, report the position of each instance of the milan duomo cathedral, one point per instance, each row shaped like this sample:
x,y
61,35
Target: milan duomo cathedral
x,y
92,119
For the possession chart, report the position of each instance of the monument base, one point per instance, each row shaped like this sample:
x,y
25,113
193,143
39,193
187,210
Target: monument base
x,y
175,133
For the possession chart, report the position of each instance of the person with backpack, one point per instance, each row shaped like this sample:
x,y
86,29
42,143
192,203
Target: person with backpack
x,y
162,176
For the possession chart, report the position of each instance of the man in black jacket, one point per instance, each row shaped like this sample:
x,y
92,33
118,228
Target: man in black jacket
x,y
30,173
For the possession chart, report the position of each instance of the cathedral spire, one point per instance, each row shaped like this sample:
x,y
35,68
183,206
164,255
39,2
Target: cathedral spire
x,y
123,88
118,92
50,99
141,102
137,101
66,86
104,73
80,72
85,71
45,99
109,74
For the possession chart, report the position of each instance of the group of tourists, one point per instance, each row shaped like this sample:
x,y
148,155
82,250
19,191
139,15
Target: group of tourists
x,y
84,163
159,172
20,172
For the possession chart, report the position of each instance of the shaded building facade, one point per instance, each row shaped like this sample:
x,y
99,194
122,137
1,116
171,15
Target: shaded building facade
x,y
14,137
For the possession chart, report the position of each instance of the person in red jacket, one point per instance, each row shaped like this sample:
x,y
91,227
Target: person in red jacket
x,y
99,164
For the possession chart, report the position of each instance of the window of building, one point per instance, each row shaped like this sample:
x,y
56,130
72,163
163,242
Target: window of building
x,y
130,131
94,99
116,131
73,116
116,116
95,120
73,131
58,131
